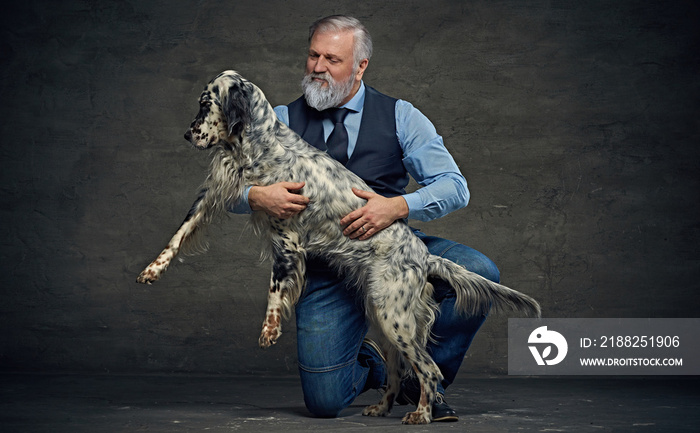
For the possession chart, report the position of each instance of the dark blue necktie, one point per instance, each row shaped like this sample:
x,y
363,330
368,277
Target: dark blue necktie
x,y
337,142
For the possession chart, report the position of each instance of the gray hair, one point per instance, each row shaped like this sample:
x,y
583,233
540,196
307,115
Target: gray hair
x,y
336,23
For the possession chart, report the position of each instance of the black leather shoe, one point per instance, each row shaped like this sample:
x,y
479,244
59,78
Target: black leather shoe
x,y
409,393
442,412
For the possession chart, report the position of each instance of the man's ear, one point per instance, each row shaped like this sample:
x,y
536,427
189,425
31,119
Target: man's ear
x,y
361,69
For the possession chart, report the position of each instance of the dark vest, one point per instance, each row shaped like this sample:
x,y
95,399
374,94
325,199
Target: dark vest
x,y
377,157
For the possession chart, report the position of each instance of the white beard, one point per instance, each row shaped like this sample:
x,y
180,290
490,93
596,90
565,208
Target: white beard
x,y
323,98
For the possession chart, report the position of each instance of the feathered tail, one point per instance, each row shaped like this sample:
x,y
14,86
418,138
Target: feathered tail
x,y
476,294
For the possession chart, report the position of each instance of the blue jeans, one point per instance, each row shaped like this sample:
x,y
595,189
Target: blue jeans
x,y
335,366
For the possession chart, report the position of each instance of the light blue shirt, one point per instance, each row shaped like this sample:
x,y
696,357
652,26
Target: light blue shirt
x,y
424,155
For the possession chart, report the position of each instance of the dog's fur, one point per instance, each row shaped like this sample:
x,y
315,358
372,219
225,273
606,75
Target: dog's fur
x,y
390,270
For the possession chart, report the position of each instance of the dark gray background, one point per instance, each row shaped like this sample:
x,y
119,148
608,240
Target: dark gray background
x,y
575,123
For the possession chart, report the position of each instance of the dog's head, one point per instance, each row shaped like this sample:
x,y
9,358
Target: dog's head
x,y
224,111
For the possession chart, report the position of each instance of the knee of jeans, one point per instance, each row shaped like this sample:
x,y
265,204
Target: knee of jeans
x,y
472,260
326,393
487,269
491,272
322,405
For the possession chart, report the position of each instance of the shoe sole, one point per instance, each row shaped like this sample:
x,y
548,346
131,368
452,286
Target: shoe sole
x,y
448,418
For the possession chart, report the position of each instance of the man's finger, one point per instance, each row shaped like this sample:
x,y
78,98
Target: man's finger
x,y
352,216
299,200
354,229
293,186
363,194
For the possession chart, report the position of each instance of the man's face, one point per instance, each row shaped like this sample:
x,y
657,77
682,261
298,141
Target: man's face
x,y
331,53
331,77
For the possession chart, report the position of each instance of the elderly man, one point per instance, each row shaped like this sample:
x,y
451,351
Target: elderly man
x,y
383,140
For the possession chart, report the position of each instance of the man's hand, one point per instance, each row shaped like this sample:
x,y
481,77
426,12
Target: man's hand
x,y
379,213
280,200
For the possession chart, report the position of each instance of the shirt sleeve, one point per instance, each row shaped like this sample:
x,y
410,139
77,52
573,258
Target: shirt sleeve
x,y
242,206
427,160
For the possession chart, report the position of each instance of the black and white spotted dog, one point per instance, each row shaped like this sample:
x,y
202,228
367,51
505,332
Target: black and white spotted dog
x,y
390,269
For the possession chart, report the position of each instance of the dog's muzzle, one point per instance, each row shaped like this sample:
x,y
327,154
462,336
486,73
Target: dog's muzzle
x,y
197,140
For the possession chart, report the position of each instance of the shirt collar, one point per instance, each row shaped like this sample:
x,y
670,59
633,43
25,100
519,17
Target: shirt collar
x,y
355,104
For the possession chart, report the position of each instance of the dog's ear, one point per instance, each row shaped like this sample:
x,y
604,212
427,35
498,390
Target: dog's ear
x,y
236,107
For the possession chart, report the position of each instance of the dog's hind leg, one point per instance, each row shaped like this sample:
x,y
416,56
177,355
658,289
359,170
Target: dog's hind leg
x,y
401,334
286,283
404,316
428,375
393,385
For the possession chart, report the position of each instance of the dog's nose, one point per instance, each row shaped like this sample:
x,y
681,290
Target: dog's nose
x,y
188,135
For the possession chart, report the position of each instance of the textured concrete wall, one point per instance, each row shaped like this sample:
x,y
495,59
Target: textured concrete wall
x,y
575,123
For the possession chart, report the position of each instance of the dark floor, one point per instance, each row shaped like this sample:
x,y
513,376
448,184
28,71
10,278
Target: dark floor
x,y
112,403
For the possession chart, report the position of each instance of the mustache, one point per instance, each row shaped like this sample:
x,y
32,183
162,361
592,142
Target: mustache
x,y
325,76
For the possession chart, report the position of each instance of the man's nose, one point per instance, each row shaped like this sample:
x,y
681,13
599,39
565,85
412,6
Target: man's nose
x,y
320,65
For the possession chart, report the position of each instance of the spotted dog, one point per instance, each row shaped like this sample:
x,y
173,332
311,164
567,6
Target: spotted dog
x,y
390,270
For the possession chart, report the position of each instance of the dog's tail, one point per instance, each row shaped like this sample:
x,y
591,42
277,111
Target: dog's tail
x,y
476,294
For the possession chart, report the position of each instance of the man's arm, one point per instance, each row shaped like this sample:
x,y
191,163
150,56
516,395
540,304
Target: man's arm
x,y
430,164
280,200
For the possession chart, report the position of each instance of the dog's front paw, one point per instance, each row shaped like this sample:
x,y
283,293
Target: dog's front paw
x,y
150,274
272,330
156,268
269,336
